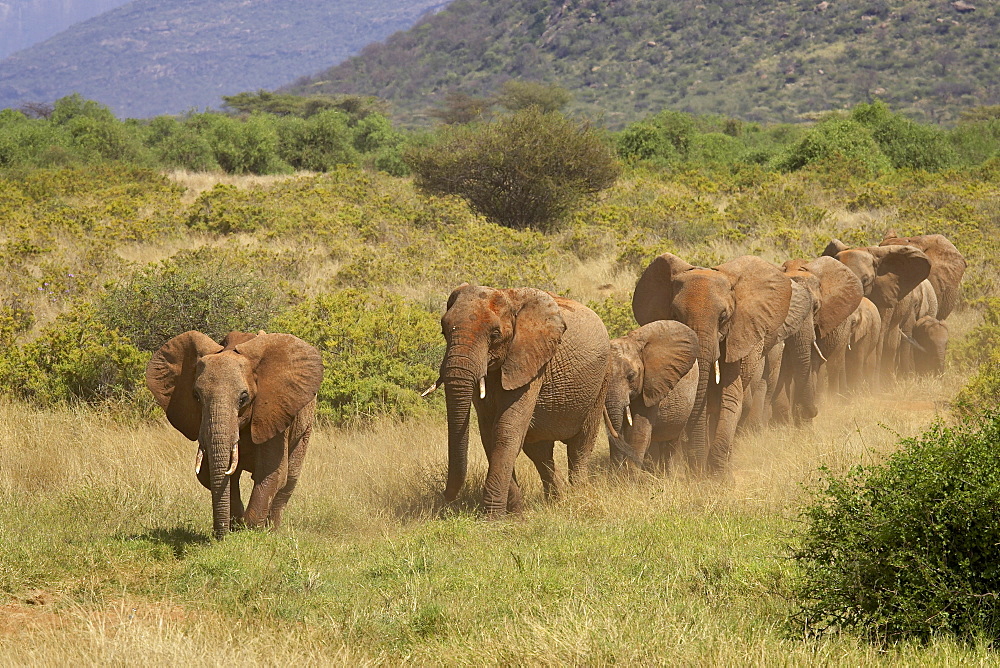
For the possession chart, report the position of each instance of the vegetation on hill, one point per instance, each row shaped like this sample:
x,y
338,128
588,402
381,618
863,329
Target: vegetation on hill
x,y
27,22
157,57
758,61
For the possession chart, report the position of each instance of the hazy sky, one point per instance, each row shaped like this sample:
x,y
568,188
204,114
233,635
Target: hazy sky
x,y
26,22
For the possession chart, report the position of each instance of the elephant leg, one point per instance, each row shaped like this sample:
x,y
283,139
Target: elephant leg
x,y
270,475
515,410
730,407
296,456
580,447
235,500
541,454
660,454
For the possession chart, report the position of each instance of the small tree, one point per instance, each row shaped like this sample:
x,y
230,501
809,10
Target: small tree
x,y
516,95
524,170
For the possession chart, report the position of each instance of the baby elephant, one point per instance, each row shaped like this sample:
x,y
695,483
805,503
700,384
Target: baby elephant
x,y
652,383
930,339
250,403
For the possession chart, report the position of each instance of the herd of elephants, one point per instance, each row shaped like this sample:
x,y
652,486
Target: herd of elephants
x,y
720,348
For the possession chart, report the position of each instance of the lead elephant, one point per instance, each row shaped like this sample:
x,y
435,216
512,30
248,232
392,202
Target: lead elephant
x,y
887,273
652,383
250,403
534,366
947,267
733,308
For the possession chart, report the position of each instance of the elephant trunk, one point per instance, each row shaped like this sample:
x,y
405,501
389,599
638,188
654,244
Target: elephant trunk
x,y
616,403
804,379
219,447
461,377
699,431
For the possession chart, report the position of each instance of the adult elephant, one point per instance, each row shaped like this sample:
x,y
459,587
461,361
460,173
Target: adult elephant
x,y
887,273
861,359
733,308
534,365
921,302
825,294
652,383
250,402
947,267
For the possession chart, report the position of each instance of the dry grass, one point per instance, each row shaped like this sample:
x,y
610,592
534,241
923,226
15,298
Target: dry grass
x,y
374,496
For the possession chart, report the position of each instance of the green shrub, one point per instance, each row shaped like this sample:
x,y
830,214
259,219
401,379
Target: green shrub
x,y
75,359
176,144
318,143
905,143
911,547
33,143
524,170
106,139
379,352
242,147
210,290
616,312
835,141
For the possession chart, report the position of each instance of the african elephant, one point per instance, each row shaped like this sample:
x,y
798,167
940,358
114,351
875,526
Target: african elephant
x,y
652,382
922,301
860,357
534,365
732,308
947,267
828,293
250,403
930,337
887,273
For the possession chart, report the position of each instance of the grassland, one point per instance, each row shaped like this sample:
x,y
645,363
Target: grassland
x,y
105,555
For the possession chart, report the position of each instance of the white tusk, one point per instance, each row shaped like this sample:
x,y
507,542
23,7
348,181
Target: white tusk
x,y
849,346
628,414
234,458
818,351
197,460
718,376
482,387
429,390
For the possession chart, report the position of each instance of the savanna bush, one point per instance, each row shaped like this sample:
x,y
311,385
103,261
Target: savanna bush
x,y
75,359
527,169
211,290
318,143
909,548
907,144
616,312
379,351
247,146
837,141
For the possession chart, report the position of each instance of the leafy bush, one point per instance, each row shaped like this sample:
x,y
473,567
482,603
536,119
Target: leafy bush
x,y
379,352
175,144
524,170
318,143
616,313
242,147
905,143
911,547
213,291
75,359
836,140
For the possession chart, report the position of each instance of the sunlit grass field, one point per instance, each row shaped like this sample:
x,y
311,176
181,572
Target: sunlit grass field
x,y
104,532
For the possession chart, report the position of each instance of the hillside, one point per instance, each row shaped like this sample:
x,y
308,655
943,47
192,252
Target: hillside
x,y
153,57
762,60
27,22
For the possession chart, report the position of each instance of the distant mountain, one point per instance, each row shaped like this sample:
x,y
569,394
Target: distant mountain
x,y
152,57
27,22
755,59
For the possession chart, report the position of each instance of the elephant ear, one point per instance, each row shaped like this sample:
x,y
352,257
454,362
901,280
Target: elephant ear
x,y
233,339
762,294
668,350
538,328
170,377
654,291
288,372
834,247
841,293
898,270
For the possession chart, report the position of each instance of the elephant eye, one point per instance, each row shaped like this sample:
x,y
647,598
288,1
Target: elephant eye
x,y
196,396
244,398
495,335
723,317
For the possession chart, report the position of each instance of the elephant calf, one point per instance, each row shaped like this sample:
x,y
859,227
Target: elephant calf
x,y
930,340
652,384
250,403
